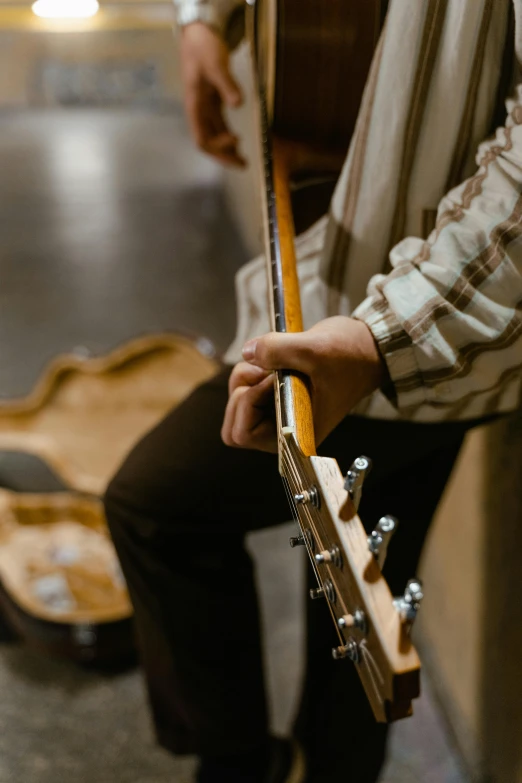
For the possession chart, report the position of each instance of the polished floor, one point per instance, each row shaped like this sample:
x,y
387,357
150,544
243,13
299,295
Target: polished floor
x,y
112,226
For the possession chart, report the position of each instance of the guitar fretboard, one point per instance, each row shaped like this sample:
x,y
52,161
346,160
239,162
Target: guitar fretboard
x,y
276,276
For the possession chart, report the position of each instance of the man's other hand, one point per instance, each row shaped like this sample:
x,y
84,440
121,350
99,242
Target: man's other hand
x,y
208,84
339,356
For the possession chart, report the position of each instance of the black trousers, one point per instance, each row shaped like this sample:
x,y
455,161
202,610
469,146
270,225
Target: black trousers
x,y
179,509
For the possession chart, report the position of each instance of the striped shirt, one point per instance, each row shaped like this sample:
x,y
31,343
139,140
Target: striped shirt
x,y
423,240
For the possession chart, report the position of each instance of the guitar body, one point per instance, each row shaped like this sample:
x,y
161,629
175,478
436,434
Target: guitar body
x,y
314,59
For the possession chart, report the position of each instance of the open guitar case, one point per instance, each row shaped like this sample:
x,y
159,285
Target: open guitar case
x,y
61,587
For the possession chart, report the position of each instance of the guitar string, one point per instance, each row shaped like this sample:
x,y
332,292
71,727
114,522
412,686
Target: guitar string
x,y
306,511
326,537
315,520
290,465
372,669
290,495
318,522
371,665
292,492
371,658
320,581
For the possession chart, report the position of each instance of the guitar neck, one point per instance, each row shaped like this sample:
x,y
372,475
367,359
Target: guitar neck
x,y
292,391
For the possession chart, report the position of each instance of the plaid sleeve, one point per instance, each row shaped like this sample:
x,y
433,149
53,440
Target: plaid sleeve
x,y
447,318
215,13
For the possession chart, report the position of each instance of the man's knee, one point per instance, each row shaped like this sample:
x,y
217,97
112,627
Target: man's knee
x,y
132,498
146,497
119,505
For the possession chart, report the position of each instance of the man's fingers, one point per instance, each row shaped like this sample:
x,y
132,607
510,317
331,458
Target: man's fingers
x,y
198,117
226,85
249,417
245,374
211,134
255,406
207,124
225,147
281,351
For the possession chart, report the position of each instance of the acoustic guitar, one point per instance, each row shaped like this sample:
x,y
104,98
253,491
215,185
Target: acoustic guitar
x,y
310,62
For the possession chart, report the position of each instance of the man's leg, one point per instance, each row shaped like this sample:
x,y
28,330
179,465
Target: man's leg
x,y
178,511
411,464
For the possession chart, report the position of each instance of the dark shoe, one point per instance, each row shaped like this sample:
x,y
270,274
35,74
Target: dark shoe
x,y
285,764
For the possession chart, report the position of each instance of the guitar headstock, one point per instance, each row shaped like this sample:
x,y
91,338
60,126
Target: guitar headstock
x,y
373,628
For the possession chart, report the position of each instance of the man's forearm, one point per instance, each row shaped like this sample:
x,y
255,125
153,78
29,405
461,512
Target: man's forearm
x,y
447,318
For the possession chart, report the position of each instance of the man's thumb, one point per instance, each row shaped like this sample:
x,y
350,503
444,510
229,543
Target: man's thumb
x,y
278,351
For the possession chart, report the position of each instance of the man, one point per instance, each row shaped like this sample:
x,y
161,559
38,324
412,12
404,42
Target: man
x,y
405,351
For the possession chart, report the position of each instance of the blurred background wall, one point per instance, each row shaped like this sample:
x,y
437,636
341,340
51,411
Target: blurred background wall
x,y
122,56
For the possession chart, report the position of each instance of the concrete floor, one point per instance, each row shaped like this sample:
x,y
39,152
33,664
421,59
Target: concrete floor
x,y
111,226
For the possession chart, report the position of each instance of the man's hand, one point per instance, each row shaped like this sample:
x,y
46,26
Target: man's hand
x,y
208,84
339,356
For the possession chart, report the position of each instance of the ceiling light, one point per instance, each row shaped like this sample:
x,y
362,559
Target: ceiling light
x,y
65,9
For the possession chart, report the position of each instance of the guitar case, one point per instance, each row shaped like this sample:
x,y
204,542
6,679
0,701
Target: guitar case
x,y
61,587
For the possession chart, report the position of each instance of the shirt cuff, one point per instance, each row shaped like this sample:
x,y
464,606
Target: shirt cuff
x,y
405,387
196,12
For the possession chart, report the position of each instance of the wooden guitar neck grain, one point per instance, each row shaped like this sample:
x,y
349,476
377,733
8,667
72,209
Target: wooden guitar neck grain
x,y
303,414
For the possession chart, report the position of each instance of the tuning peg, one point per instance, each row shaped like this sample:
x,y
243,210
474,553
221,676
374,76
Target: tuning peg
x,y
307,496
332,555
408,605
355,478
349,650
326,591
297,541
379,538
355,620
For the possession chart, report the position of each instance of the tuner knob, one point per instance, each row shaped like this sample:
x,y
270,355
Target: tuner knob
x,y
379,538
355,620
408,605
297,541
307,496
332,555
349,650
326,591
355,479
323,557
